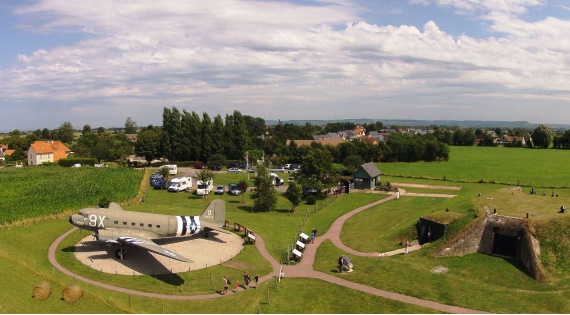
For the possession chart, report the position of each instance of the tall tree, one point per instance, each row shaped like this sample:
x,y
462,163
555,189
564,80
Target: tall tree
x,y
265,195
172,133
206,138
148,144
65,132
542,136
294,194
46,135
86,129
218,136
130,126
317,170
241,136
229,144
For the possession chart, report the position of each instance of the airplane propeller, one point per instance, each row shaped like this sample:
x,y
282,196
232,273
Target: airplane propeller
x,y
95,236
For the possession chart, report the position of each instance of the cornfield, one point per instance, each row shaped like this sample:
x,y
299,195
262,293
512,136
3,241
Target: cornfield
x,y
31,192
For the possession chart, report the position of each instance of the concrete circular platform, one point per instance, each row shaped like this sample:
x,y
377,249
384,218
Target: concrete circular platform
x,y
205,252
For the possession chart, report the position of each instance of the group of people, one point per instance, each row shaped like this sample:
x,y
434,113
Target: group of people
x,y
246,280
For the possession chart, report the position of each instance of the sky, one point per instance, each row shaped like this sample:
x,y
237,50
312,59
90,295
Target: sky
x,y
99,62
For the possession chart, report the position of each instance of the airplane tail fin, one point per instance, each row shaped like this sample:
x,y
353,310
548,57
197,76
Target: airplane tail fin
x,y
215,213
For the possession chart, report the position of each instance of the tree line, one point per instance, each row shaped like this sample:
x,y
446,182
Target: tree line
x,y
188,136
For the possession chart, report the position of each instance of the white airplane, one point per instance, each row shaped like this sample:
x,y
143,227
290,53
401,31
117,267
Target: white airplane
x,y
129,228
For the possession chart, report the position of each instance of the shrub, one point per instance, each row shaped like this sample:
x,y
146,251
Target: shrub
x,y
311,199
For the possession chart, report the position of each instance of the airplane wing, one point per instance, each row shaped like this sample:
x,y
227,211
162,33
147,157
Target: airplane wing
x,y
151,246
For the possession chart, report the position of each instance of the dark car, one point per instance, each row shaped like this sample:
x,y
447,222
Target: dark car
x,y
158,182
215,167
309,191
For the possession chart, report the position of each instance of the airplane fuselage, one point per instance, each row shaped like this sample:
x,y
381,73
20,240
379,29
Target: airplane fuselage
x,y
99,220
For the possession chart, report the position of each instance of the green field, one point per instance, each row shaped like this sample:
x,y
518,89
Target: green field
x,y
513,166
32,192
475,281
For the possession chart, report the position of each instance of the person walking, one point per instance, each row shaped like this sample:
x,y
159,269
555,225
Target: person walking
x,y
226,285
340,263
313,235
246,279
256,280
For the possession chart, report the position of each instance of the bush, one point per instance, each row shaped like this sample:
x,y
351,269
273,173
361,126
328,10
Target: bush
x,y
103,203
311,199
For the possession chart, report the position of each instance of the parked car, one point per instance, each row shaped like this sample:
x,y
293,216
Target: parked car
x,y
158,181
215,167
235,170
234,190
278,168
252,170
220,189
309,191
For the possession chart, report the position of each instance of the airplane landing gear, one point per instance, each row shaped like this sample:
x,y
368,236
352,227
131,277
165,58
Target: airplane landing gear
x,y
206,234
120,253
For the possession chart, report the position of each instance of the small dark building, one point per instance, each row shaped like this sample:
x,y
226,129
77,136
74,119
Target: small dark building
x,y
366,176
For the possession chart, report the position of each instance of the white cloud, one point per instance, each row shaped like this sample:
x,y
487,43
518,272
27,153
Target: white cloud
x,y
260,57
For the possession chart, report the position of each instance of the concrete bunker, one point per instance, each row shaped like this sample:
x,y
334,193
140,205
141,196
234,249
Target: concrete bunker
x,y
501,236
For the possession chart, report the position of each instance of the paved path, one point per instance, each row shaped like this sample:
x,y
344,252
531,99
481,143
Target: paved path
x,y
303,269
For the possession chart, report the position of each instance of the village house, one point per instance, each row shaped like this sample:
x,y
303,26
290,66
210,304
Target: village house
x,y
45,151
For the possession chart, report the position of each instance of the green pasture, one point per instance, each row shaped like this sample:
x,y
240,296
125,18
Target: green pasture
x,y
513,166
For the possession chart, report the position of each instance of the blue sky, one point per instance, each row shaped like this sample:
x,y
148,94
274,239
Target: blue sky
x,y
98,62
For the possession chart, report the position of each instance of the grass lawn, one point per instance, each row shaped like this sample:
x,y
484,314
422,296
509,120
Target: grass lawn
x,y
475,281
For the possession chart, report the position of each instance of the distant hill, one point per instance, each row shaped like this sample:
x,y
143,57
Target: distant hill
x,y
426,123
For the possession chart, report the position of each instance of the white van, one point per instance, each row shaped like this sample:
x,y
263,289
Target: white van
x,y
204,188
277,181
172,169
180,184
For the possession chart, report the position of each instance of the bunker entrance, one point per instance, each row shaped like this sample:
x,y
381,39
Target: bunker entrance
x,y
504,245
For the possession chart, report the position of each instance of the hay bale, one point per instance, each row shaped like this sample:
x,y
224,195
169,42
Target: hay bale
x,y
42,291
72,293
